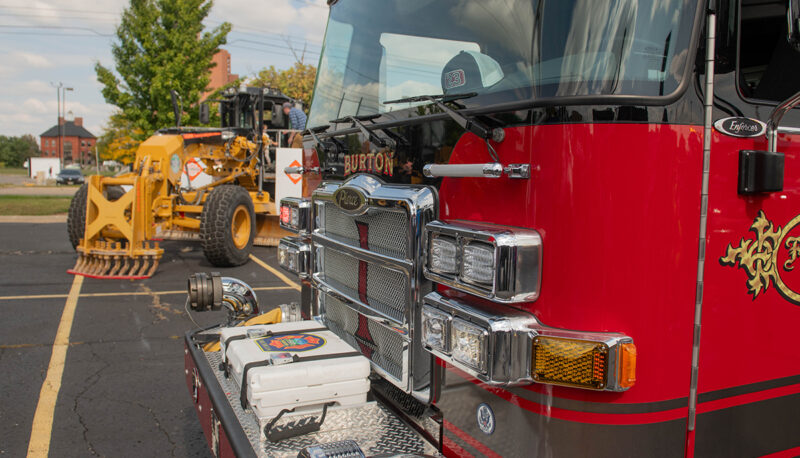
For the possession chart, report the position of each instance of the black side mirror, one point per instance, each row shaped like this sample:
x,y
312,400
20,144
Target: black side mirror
x,y
793,23
204,113
177,106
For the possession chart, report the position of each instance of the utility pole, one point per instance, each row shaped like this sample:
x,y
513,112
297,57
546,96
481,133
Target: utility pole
x,y
64,114
58,119
60,95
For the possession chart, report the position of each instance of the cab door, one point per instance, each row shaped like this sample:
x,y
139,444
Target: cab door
x,y
749,367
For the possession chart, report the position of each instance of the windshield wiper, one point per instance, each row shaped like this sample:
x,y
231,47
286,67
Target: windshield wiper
x,y
319,144
471,125
334,146
372,136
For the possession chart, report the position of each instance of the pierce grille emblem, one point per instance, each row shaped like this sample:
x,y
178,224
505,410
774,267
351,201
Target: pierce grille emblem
x,y
768,257
349,200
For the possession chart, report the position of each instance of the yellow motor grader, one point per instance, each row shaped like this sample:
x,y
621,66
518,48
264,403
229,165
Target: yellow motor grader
x,y
115,223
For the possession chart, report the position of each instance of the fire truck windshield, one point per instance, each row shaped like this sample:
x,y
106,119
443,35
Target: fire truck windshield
x,y
501,50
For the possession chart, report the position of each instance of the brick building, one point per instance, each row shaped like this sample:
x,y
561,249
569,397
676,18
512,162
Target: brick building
x,y
78,142
220,73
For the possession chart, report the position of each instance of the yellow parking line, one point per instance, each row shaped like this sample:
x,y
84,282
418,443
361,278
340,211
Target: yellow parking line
x,y
39,444
122,293
275,272
15,346
35,296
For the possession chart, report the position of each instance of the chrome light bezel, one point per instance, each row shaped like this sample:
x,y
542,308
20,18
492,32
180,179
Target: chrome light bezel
x,y
299,251
517,259
303,209
511,335
509,338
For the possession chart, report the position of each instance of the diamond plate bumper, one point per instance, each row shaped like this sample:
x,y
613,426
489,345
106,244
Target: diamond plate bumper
x,y
233,431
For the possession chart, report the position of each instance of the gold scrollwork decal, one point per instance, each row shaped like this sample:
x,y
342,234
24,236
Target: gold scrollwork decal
x,y
758,257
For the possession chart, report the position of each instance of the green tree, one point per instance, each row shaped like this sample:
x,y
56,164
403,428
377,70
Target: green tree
x,y
297,82
14,151
161,45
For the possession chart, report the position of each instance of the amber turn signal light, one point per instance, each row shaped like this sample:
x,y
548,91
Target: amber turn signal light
x,y
579,363
627,365
570,362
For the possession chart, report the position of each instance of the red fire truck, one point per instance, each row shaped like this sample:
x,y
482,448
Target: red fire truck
x,y
553,227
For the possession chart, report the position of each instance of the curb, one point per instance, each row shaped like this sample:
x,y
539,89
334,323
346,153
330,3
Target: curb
x,y
57,218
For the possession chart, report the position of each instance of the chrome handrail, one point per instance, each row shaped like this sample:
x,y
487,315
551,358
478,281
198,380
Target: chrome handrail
x,y
775,119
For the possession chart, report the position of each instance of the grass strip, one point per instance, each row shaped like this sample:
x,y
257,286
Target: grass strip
x,y
33,205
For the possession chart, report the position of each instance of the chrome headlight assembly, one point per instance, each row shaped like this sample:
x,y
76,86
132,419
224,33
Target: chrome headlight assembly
x,y
295,215
503,346
489,341
500,263
294,256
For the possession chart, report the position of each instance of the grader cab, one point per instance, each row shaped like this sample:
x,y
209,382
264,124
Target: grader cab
x,y
115,223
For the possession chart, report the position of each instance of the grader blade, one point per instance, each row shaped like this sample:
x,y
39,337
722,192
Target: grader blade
x,y
269,231
153,267
112,260
117,265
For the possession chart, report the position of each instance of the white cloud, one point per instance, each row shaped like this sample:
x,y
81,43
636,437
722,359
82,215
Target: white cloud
x,y
85,14
36,87
35,106
30,61
276,18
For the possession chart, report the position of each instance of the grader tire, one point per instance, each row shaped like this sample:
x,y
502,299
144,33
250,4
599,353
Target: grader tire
x,y
76,218
114,193
228,226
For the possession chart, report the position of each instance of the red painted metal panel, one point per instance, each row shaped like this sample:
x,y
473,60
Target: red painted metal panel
x,y
748,338
618,209
203,408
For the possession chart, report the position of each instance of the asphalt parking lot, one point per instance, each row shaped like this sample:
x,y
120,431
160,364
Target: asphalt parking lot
x,y
122,390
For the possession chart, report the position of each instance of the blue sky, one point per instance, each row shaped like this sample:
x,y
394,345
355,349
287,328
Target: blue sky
x,y
51,41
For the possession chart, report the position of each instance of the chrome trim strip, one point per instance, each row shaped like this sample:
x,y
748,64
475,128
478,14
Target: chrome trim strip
x,y
357,305
362,254
708,103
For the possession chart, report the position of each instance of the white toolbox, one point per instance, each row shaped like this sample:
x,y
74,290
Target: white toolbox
x,y
298,365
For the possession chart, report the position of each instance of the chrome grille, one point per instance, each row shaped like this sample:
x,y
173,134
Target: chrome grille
x,y
386,289
367,272
382,346
388,230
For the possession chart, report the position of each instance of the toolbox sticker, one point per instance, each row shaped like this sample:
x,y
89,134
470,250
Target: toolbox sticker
x,y
291,342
